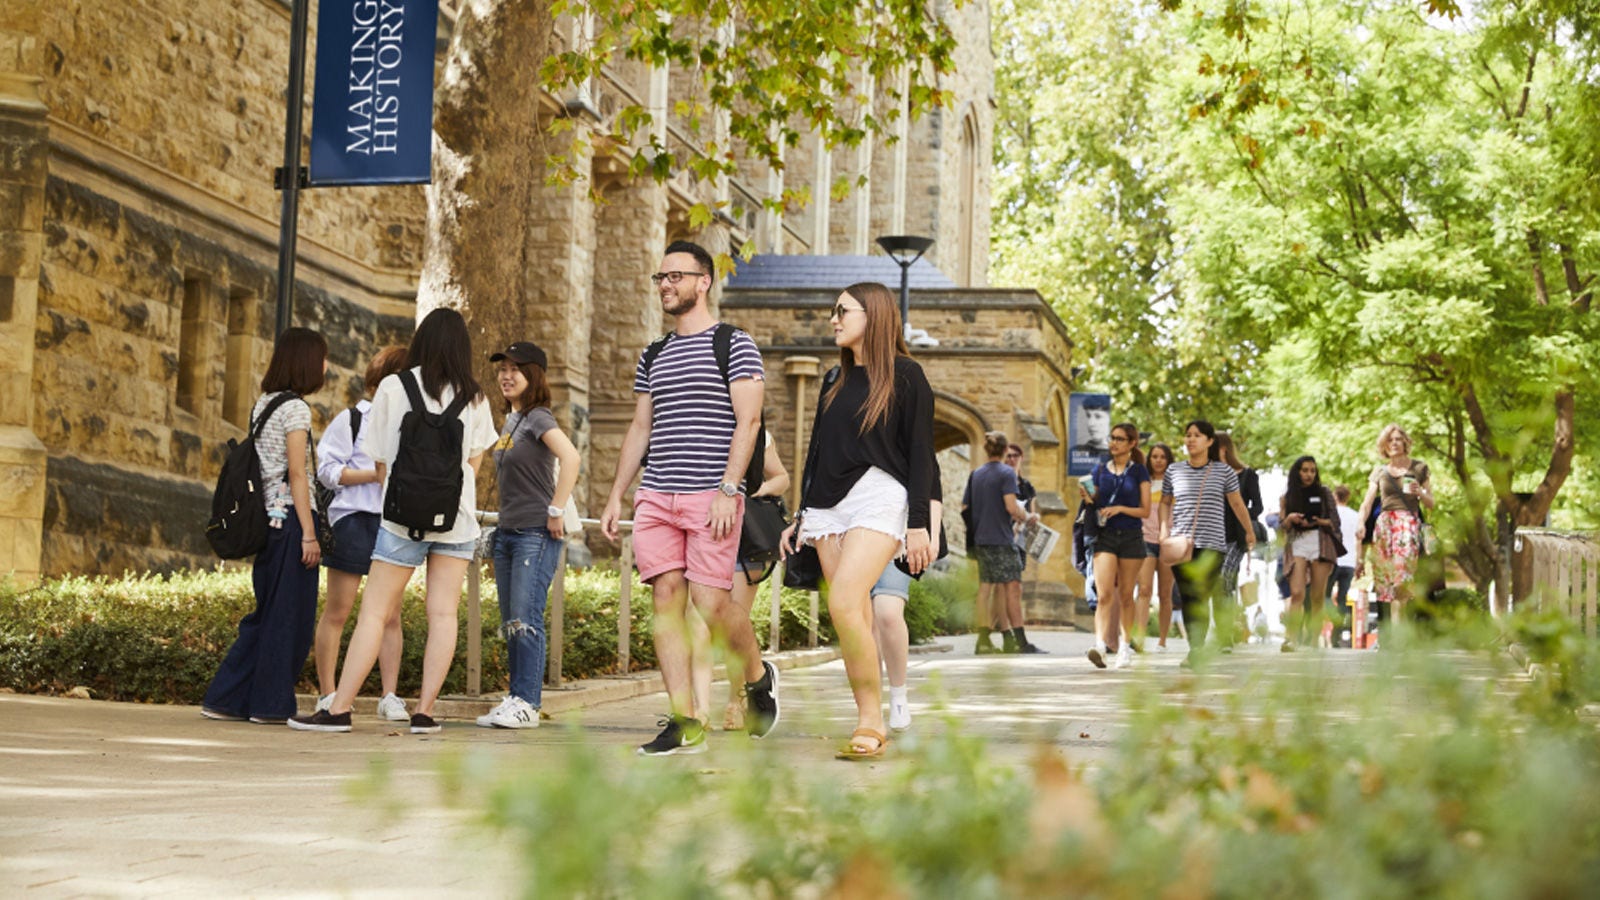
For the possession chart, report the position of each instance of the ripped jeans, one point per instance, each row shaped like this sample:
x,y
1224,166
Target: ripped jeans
x,y
524,564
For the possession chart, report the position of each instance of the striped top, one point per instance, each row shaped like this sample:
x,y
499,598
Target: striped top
x,y
691,428
1182,484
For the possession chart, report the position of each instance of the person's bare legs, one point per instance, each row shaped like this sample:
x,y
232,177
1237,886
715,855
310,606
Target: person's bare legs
x,y
744,597
852,566
1013,594
999,614
1165,581
386,587
1317,596
445,576
1127,579
730,626
894,639
389,652
340,599
670,593
701,661
1108,615
1147,583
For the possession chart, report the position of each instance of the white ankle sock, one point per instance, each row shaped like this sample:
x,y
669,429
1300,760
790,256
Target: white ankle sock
x,y
897,694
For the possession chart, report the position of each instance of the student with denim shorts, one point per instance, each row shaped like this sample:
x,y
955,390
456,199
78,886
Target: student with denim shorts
x,y
344,466
699,426
440,359
889,598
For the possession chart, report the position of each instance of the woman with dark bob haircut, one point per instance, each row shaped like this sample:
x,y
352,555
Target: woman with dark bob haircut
x,y
257,677
438,383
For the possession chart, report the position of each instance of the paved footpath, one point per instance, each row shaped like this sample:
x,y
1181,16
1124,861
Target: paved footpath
x,y
121,799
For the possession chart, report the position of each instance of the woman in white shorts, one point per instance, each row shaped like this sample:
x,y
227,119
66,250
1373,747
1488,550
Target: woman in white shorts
x,y
870,476
439,369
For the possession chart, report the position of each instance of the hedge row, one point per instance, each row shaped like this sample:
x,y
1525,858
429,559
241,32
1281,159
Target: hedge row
x,y
160,638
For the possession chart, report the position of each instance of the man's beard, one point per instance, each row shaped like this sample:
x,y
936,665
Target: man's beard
x,y
679,304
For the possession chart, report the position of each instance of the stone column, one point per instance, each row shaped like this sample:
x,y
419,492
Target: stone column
x,y
630,235
24,166
800,368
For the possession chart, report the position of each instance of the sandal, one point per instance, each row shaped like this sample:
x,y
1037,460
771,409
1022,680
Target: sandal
x,y
733,717
851,752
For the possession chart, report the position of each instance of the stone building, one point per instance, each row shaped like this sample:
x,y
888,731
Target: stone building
x,y
138,230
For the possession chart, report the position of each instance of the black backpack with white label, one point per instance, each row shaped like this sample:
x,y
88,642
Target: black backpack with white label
x,y
424,490
238,524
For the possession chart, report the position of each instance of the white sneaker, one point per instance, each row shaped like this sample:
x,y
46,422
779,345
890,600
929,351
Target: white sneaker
x,y
487,719
1124,657
325,702
393,709
514,712
899,716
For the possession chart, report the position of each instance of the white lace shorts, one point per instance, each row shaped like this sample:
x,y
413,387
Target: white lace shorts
x,y
876,502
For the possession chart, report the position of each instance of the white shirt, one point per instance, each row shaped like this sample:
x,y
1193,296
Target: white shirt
x,y
337,452
1349,521
382,438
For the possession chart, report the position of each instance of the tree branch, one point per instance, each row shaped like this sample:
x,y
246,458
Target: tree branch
x,y
1580,288
1533,512
1527,84
1541,290
1405,220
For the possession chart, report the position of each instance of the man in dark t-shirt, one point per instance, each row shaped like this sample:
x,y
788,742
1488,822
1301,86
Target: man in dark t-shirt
x,y
699,427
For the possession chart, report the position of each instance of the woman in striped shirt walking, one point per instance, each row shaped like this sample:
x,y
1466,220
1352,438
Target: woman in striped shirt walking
x,y
1196,495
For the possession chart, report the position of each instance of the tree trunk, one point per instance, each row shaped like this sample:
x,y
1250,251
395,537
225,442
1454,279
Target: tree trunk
x,y
488,155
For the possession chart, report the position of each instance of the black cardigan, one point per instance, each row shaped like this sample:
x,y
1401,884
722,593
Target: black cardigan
x,y
901,444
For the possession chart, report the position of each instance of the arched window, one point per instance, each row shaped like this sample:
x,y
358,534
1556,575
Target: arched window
x,y
967,196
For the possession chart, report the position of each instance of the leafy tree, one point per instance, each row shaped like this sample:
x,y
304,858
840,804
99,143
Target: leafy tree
x,y
1403,204
762,74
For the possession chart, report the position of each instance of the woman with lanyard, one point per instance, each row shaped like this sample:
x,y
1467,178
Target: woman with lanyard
x,y
1196,494
1308,516
1121,500
1400,487
527,541
1155,577
869,478
344,466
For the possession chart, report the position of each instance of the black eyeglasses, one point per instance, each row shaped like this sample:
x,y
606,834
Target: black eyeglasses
x,y
1118,437
672,277
840,309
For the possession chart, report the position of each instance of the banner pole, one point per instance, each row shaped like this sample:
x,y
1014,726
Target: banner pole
x,y
289,175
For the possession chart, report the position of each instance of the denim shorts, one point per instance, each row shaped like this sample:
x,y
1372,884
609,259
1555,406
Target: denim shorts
x,y
398,551
354,536
1123,543
893,583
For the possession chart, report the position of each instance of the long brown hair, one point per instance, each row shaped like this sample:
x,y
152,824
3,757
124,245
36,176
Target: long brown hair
x,y
537,393
884,340
1131,432
1226,451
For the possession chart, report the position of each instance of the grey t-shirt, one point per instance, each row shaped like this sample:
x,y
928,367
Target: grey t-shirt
x,y
986,497
525,468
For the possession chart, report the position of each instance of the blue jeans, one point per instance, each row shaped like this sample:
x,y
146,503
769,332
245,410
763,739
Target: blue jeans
x,y
524,565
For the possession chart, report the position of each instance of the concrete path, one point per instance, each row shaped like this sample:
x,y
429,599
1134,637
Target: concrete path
x,y
116,799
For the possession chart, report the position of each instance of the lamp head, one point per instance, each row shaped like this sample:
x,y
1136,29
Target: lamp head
x,y
905,248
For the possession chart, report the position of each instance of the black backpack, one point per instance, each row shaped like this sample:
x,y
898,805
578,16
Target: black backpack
x,y
238,524
424,490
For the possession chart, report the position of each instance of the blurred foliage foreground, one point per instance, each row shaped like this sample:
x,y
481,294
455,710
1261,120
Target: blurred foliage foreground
x,y
1438,771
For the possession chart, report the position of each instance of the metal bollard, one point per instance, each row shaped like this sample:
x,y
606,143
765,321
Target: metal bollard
x,y
777,595
558,621
625,606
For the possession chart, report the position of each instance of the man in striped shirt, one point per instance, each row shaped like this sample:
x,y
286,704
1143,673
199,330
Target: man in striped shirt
x,y
698,424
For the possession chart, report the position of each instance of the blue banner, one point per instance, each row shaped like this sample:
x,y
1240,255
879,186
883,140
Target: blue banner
x,y
372,110
1088,432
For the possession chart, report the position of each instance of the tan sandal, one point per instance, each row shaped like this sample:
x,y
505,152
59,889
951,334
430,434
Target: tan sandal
x,y
733,717
851,752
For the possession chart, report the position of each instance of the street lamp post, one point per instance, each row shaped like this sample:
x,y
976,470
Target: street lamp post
x,y
905,249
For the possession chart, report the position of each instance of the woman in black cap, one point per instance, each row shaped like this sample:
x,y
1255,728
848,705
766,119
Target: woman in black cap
x,y
527,543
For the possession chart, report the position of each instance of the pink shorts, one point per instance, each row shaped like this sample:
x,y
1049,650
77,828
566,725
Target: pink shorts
x,y
670,533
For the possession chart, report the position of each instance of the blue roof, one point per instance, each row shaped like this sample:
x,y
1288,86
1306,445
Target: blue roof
x,y
775,272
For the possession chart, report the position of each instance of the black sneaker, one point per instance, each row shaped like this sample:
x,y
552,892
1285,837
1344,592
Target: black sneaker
x,y
421,724
761,703
321,720
1033,649
1098,657
681,734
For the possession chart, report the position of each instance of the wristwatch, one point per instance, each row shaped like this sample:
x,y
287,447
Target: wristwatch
x,y
555,512
728,489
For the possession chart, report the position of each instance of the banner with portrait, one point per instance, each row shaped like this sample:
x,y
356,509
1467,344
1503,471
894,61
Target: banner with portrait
x,y
1088,432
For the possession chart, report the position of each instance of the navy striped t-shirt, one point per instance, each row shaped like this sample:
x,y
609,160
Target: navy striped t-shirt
x,y
692,425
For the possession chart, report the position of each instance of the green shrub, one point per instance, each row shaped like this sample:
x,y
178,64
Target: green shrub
x,y
1416,779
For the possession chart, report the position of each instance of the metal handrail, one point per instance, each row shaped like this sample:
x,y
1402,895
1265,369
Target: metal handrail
x,y
556,643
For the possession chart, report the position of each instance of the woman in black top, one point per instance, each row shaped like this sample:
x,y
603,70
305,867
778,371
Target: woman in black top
x,y
869,479
1309,519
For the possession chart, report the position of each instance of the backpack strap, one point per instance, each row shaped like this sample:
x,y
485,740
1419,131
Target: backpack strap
x,y
260,424
652,351
355,424
722,346
414,393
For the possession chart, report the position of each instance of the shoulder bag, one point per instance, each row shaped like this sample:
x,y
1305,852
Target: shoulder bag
x,y
1177,549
